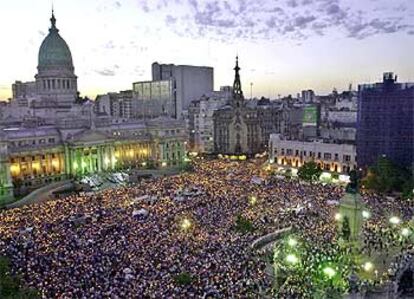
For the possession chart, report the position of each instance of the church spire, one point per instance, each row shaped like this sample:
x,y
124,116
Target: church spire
x,y
237,84
53,21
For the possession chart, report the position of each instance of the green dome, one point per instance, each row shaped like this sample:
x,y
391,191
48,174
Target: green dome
x,y
54,51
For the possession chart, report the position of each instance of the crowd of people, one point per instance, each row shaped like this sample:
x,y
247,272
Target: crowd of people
x,y
95,246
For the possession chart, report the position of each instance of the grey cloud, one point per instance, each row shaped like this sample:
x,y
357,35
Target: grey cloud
x,y
170,20
105,72
302,21
42,33
264,19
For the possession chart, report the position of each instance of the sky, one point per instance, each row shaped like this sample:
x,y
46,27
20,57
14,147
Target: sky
x,y
284,46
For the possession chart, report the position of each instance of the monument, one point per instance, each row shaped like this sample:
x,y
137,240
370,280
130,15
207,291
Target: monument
x,y
350,211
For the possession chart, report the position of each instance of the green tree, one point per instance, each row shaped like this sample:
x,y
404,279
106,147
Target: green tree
x,y
10,285
385,177
310,171
243,225
183,278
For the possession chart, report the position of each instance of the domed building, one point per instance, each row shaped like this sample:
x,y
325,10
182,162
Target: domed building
x,y
55,90
56,80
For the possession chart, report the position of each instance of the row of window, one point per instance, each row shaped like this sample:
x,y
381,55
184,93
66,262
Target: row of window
x,y
32,142
32,158
326,156
56,84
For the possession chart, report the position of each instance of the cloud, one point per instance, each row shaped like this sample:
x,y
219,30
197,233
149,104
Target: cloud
x,y
227,20
170,20
106,72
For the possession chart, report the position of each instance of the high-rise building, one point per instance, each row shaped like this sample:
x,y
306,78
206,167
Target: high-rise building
x,y
385,122
190,82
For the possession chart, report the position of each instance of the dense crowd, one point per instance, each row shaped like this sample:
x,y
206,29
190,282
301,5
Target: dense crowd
x,y
98,246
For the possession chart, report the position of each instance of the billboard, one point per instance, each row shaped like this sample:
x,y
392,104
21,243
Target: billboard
x,y
310,116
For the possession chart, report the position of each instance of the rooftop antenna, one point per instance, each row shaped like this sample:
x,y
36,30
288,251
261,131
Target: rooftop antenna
x,y
251,90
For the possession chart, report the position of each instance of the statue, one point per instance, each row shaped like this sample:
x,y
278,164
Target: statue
x,y
352,186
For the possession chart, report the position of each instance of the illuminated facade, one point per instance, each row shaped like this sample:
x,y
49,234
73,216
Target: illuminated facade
x,y
340,158
33,157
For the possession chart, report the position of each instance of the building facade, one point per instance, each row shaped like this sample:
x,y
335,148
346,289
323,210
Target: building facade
x,y
153,99
189,82
339,158
244,127
200,119
33,156
385,122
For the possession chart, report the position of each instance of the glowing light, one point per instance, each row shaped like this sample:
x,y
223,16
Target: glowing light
x,y
405,232
395,220
36,165
242,157
15,169
292,259
75,165
163,164
338,216
107,161
366,214
186,224
131,153
271,161
55,163
83,164
253,200
329,271
292,242
116,154
144,164
368,266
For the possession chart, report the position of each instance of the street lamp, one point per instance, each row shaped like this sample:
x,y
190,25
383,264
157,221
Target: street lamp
x,y
395,220
405,232
292,259
366,214
329,271
368,266
292,242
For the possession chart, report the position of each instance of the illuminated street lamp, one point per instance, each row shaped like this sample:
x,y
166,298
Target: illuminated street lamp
x,y
368,266
338,216
395,220
292,242
292,259
329,271
366,214
405,232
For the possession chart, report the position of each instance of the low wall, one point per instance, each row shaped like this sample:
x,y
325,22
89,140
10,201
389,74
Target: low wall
x,y
41,194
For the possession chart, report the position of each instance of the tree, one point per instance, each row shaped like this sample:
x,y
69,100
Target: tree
x,y
385,177
310,171
10,285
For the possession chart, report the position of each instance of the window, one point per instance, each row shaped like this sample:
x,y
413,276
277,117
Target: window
x,y
327,156
51,140
319,155
336,157
304,153
347,158
297,153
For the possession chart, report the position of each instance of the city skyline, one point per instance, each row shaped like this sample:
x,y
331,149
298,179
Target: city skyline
x,y
319,44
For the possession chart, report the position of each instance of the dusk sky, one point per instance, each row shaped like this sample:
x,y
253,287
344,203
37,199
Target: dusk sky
x,y
284,46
